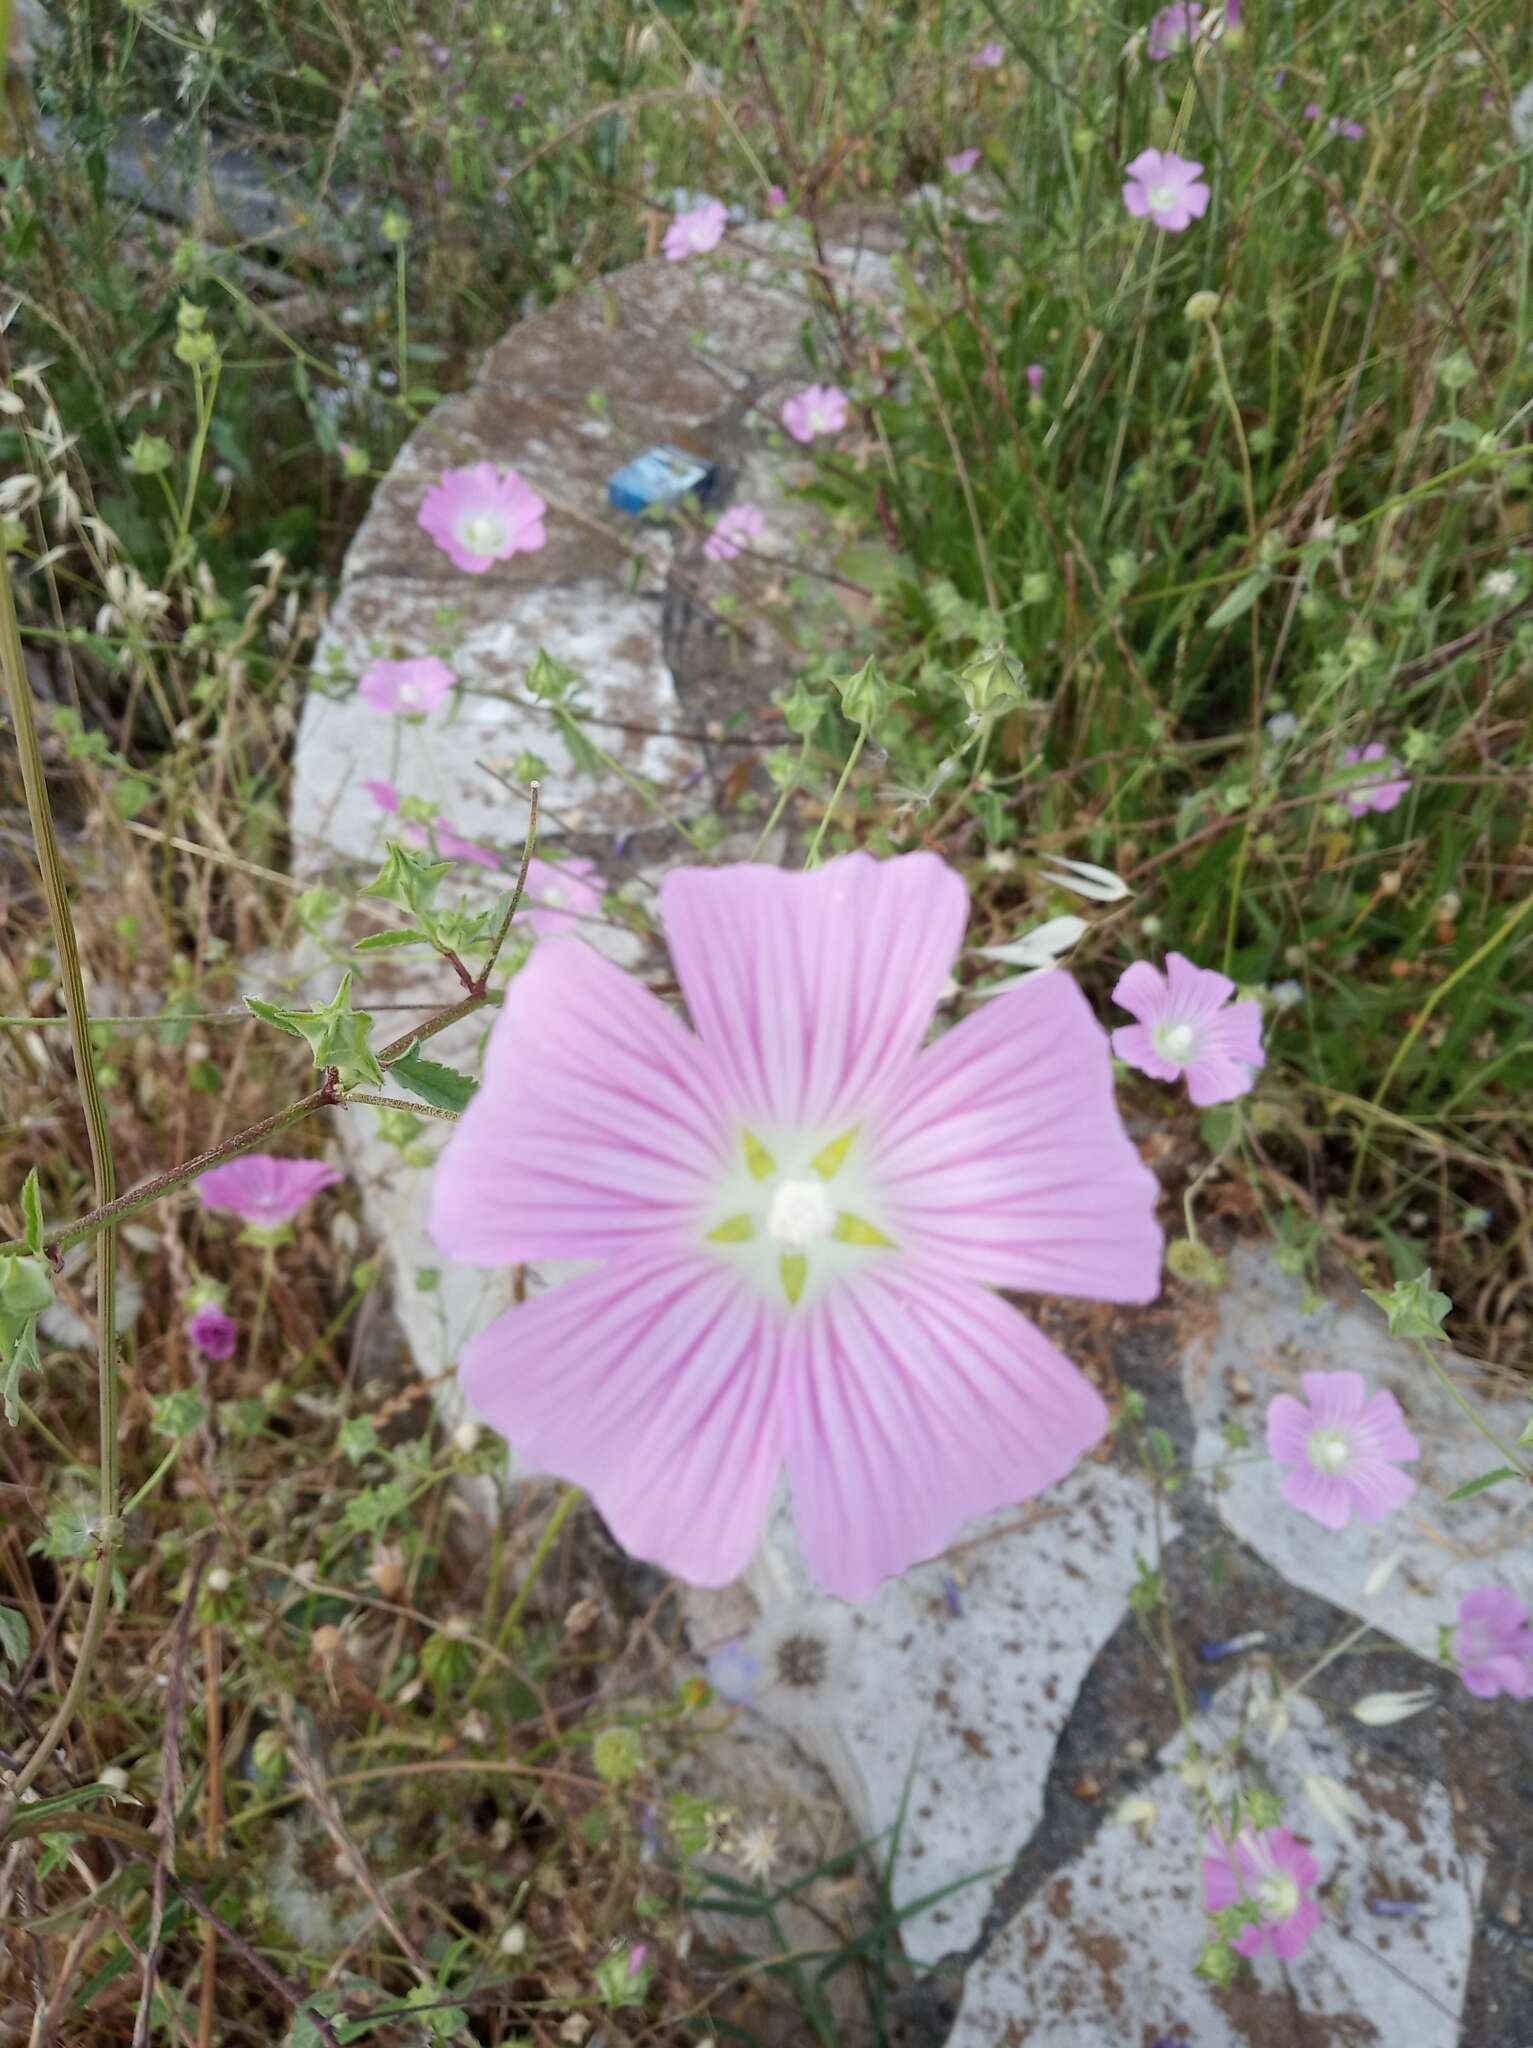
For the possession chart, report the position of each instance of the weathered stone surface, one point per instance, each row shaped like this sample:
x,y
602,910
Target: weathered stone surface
x,y
1259,1345
1106,1950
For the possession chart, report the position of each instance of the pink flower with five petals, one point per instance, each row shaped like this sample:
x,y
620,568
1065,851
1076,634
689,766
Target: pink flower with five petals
x,y
798,1218
1493,1644
696,232
263,1190
1166,187
1361,796
481,515
738,528
1273,1871
407,688
1185,1027
817,409
1343,1447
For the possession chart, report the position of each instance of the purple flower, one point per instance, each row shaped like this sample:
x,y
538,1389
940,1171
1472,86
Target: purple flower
x,y
1343,1448
1352,130
961,162
1312,111
480,515
798,1219
1493,1644
1273,1871
695,232
384,795
1035,378
735,530
560,895
213,1333
817,409
733,1671
1172,29
451,845
988,57
1362,796
1167,187
406,687
776,196
265,1191
1184,1027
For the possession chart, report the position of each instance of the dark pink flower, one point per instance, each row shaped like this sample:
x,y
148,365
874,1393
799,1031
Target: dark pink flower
x,y
1035,378
1185,1027
1166,187
776,196
263,1190
1172,29
384,795
1343,1449
798,1219
560,895
1493,1644
409,688
696,232
737,528
817,409
479,516
1272,1871
1361,796
213,1333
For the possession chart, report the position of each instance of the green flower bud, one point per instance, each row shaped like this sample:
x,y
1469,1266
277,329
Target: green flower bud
x,y
866,696
149,454
992,682
26,1286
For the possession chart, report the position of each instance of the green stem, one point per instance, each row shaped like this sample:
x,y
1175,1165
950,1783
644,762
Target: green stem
x,y
812,858
774,817
577,737
155,1477
258,1323
529,842
568,1501
1466,1406
205,397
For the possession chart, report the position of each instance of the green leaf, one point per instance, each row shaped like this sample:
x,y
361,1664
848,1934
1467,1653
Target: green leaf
x,y
15,1637
358,1438
443,1087
1415,1307
18,1354
32,1213
380,942
1485,1480
336,1035
408,881
1239,601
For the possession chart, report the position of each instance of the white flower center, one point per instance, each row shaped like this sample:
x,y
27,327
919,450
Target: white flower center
x,y
482,532
553,896
1162,198
1278,1896
1175,1041
801,1213
409,695
1329,1450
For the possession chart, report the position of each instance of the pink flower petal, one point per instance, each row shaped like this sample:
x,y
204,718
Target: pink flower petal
x,y
263,1189
1141,991
1196,991
1377,1489
1003,1155
1291,1935
653,1382
1321,1495
920,1402
1381,1429
1334,1397
810,992
1214,1080
591,1132
1133,1044
1289,1426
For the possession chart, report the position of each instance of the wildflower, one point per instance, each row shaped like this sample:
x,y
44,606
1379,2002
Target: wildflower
x,y
1185,1028
482,515
1273,1871
961,162
406,687
1360,797
384,795
559,897
265,1191
1383,1709
1286,995
732,1672
1493,1644
1173,29
756,1851
776,196
695,232
213,1333
798,1220
451,845
988,57
1281,727
1344,1448
1167,187
817,409
1499,584
736,528
1035,378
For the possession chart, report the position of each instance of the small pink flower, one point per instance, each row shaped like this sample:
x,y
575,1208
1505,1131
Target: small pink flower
x,y
1352,130
384,795
961,162
408,688
636,1957
1272,1871
776,196
213,1333
817,409
737,527
560,896
1035,378
1171,30
695,232
263,1190
1493,1644
1343,1448
988,57
1383,795
1167,187
797,1219
451,845
482,515
1185,1028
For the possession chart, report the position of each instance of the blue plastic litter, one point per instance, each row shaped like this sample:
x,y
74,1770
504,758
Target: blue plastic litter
x,y
660,476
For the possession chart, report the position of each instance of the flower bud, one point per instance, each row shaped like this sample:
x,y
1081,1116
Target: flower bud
x,y
992,682
1202,306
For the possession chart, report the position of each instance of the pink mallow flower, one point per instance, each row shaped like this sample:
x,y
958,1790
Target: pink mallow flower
x,y
988,57
961,162
213,1333
482,515
1273,1871
1167,187
1360,797
1035,378
1343,1448
1184,1027
817,409
559,895
776,196
695,232
1171,30
737,527
263,1190
451,845
384,795
798,1218
1493,1644
409,688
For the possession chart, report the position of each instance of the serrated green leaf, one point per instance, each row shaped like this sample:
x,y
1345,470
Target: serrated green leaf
x,y
1485,1480
443,1087
1239,601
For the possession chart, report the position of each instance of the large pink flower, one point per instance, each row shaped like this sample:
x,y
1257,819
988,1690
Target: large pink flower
x,y
1185,1028
1167,187
799,1217
696,232
1172,30
560,896
1344,1448
1274,1872
408,688
480,515
264,1190
1361,796
817,409
1493,1644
